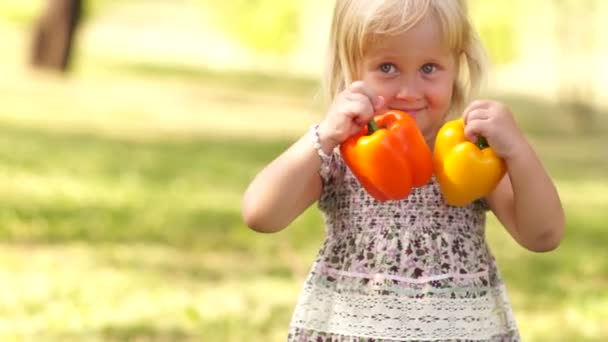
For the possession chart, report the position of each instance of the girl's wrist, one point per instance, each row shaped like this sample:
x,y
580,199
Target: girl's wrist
x,y
522,161
519,153
327,144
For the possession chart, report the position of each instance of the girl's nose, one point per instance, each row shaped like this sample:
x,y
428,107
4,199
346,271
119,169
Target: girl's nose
x,y
409,90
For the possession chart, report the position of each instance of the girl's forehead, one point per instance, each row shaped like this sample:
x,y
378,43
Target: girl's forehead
x,y
425,37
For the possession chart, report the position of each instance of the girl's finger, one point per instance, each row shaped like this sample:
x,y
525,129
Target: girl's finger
x,y
359,87
370,107
477,114
359,109
378,104
475,129
358,97
478,104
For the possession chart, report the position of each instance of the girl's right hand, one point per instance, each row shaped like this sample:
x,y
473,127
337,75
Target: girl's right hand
x,y
349,113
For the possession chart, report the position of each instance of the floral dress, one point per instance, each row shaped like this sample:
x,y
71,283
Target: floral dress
x,y
410,270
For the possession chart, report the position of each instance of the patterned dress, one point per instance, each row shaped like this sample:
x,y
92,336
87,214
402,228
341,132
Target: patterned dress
x,y
410,270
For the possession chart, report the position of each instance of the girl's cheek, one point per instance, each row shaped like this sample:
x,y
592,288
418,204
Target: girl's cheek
x,y
390,89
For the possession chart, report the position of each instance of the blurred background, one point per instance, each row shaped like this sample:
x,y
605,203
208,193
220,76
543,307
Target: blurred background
x,y
130,129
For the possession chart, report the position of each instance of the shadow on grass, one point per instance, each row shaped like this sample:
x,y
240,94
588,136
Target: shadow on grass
x,y
155,191
97,224
157,162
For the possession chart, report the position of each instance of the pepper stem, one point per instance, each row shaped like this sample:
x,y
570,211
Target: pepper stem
x,y
372,126
482,143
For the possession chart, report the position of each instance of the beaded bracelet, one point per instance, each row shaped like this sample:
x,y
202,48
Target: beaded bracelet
x,y
316,142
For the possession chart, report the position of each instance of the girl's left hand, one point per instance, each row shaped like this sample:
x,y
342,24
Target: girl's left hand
x,y
495,122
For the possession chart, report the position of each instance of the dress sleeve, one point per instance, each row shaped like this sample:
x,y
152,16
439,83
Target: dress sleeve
x,y
332,173
329,167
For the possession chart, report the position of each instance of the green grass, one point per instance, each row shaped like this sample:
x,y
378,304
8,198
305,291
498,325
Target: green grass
x,y
120,218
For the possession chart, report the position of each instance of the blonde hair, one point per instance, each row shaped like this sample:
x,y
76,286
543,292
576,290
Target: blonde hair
x,y
357,24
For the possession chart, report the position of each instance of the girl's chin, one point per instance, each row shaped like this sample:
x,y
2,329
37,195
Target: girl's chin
x,y
415,112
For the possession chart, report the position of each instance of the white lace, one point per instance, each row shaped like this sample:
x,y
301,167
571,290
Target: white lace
x,y
403,318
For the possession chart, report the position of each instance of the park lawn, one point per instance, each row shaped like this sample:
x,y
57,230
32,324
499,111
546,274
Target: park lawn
x,y
120,219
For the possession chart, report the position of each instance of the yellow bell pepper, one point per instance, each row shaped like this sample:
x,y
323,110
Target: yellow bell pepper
x,y
466,171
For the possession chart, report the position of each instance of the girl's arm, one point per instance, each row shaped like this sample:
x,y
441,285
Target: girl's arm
x,y
527,203
291,183
283,189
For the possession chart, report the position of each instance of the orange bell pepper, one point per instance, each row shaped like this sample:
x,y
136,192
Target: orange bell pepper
x,y
466,171
389,157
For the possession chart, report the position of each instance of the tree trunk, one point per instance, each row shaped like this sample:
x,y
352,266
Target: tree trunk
x,y
54,34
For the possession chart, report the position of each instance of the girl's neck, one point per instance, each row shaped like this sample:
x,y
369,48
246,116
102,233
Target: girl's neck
x,y
430,139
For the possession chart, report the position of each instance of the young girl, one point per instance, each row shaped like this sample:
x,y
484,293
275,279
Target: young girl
x,y
418,268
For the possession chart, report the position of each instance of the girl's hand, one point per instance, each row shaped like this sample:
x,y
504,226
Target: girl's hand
x,y
349,113
494,121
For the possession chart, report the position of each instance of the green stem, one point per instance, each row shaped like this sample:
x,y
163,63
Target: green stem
x,y
482,143
372,126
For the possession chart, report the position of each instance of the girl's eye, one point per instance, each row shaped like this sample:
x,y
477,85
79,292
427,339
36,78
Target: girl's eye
x,y
428,68
387,68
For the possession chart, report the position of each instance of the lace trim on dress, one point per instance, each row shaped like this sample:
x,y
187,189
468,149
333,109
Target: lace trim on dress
x,y
404,318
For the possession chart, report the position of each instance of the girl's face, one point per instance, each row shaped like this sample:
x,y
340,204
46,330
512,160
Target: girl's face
x,y
414,72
